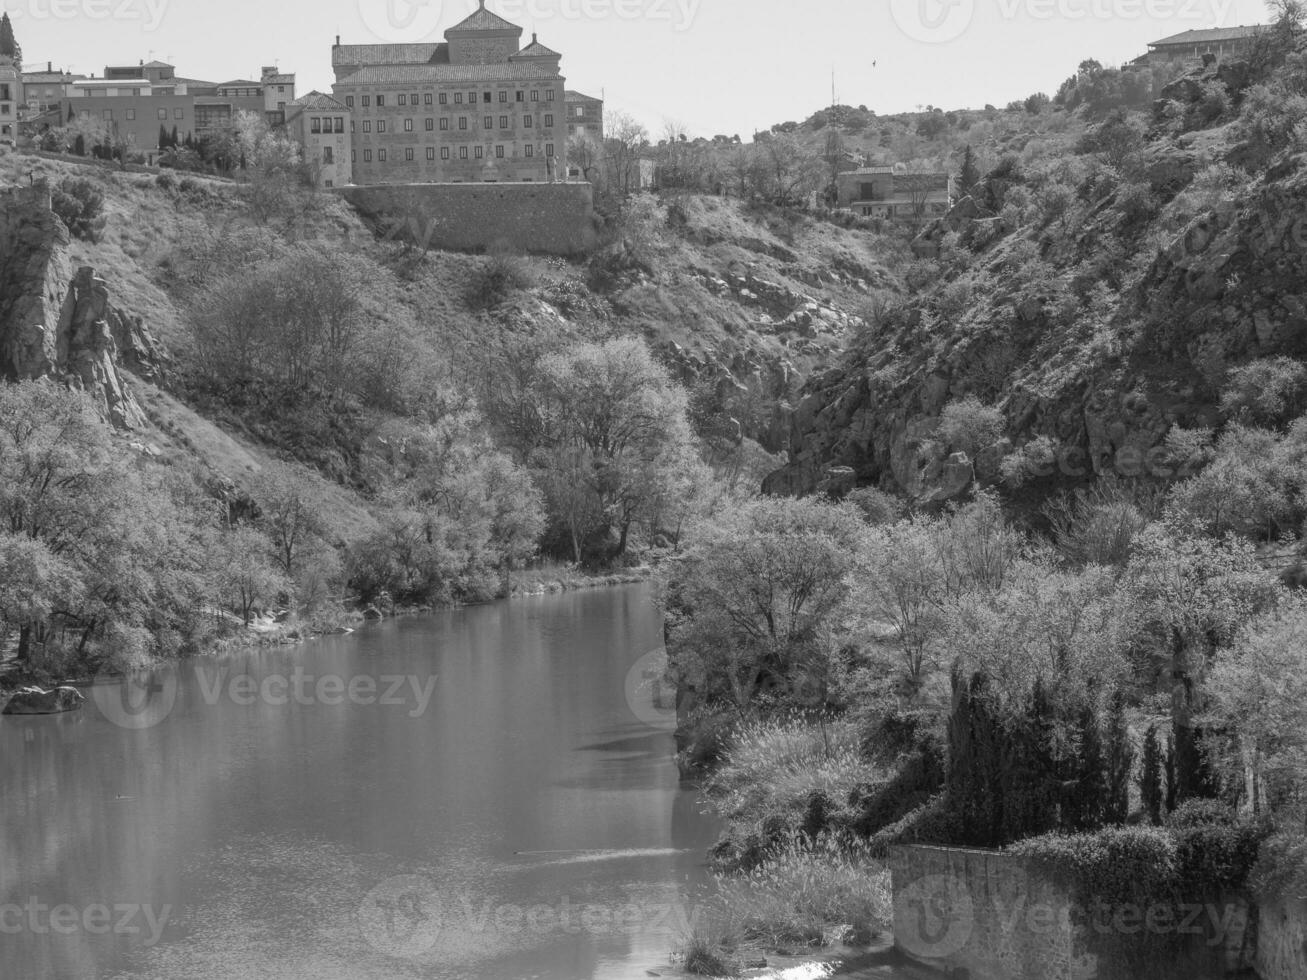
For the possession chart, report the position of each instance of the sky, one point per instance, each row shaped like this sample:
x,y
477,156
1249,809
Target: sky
x,y
712,66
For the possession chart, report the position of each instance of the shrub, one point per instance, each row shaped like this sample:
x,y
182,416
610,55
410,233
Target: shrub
x,y
1269,390
166,181
877,506
502,275
969,426
80,206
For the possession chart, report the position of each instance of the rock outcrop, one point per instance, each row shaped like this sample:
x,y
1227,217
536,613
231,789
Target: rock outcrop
x,y
59,324
36,701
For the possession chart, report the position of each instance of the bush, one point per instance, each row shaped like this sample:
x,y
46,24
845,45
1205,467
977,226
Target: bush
x,y
165,181
877,506
502,275
1268,391
80,206
967,425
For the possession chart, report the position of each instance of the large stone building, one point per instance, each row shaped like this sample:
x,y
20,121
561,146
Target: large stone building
x,y
477,107
321,125
43,90
136,102
890,192
11,97
1191,46
585,115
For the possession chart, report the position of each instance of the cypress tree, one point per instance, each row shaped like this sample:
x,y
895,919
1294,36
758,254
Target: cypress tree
x,y
172,140
1151,791
1090,783
1119,761
969,173
9,44
1172,782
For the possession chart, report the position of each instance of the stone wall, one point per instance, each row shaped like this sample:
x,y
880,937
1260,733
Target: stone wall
x,y
555,219
983,912
1282,940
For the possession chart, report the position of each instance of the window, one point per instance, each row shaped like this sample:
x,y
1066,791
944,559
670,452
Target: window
x,y
485,96
381,125
351,125
340,124
535,95
315,125
367,125
381,156
381,101
503,96
526,121
521,96
499,152
349,101
579,111
353,156
480,152
462,152
326,155
503,122
530,150
549,149
431,124
472,97
549,95
426,99
444,125
444,153
408,153
178,113
367,101
163,113
488,122
431,152
131,115
403,99
408,125
367,156
549,120
281,88
413,99
462,122
458,98
444,99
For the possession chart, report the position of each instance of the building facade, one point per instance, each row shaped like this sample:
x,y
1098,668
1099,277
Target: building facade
x,y
585,115
11,97
1221,42
476,108
136,103
886,192
320,124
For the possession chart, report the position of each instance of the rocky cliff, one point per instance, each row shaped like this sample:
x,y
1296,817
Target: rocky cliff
x,y
1094,329
58,323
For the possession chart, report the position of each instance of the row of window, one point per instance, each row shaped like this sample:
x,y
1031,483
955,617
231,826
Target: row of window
x,y
327,124
487,122
478,153
486,97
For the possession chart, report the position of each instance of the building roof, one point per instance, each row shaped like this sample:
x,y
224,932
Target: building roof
x,y
157,64
482,19
512,71
238,83
537,50
316,100
362,55
279,79
1210,35
867,171
37,77
194,82
572,95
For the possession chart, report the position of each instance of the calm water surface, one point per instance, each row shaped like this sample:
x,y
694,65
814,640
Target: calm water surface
x,y
504,814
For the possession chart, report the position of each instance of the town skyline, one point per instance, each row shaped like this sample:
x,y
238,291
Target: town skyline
x,y
616,49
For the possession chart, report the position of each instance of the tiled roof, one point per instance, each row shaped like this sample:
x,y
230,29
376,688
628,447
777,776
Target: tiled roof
x,y
571,95
158,64
279,80
419,74
387,54
317,100
238,83
537,50
1211,35
194,82
39,77
482,19
867,171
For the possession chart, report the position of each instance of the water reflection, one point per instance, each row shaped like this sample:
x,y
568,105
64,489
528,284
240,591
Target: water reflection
x,y
538,824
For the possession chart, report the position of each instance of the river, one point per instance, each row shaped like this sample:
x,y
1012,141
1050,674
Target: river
x,y
474,793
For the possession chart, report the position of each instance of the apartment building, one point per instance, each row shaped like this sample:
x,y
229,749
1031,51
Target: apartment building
x,y
585,115
320,124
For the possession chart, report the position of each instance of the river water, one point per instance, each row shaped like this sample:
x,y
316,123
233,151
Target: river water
x,y
477,793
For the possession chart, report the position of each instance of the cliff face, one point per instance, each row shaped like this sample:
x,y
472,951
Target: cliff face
x,y
1097,335
59,324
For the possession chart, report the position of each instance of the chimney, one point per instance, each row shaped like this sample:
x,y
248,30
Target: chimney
x,y
49,66
337,40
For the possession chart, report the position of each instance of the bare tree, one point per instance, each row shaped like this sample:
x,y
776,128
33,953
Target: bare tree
x,y
627,138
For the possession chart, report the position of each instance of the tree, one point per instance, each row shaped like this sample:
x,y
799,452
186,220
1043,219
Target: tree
x,y
625,142
968,173
291,516
80,206
9,45
1151,789
792,170
586,154
747,606
611,412
246,579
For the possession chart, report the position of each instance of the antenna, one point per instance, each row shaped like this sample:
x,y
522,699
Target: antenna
x,y
833,103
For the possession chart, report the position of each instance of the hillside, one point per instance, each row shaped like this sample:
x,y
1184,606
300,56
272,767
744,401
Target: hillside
x,y
1098,301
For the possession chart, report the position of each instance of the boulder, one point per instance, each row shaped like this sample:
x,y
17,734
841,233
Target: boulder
x,y
36,701
372,613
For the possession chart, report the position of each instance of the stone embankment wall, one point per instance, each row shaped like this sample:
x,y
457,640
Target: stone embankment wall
x,y
552,219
